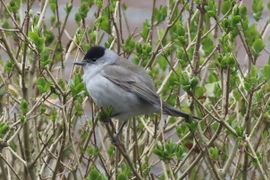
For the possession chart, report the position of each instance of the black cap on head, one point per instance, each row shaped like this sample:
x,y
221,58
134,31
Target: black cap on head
x,y
94,53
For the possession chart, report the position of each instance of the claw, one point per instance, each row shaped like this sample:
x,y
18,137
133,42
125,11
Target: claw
x,y
115,139
106,120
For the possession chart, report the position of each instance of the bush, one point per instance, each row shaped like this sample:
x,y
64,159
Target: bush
x,y
204,56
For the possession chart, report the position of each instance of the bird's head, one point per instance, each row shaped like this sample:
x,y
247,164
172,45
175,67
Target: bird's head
x,y
94,55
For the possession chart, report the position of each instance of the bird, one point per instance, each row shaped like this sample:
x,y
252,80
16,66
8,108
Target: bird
x,y
113,81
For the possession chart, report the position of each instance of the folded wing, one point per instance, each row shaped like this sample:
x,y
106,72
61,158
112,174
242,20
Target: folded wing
x,y
134,79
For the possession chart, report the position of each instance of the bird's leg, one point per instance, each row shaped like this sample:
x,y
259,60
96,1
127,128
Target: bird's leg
x,y
121,128
117,135
107,120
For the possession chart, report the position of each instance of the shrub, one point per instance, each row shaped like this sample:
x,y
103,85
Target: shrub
x,y
206,58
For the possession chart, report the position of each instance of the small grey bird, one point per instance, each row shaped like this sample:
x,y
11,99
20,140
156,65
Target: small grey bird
x,y
115,82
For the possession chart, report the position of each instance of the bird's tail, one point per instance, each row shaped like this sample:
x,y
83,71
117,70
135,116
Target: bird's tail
x,y
169,110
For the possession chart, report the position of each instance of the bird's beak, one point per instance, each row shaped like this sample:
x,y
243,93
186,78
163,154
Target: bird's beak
x,y
80,63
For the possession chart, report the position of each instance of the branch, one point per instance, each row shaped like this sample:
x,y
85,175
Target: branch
x,y
196,54
123,151
10,53
170,24
10,166
264,174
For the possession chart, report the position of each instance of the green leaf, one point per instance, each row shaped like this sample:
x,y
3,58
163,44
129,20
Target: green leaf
x,y
94,174
194,82
257,7
49,37
192,125
251,79
227,60
78,108
129,44
180,151
109,41
92,151
53,5
78,18
37,39
217,90
22,119
92,36
184,81
160,33
182,130
45,57
23,106
98,3
160,14
258,46
58,54
207,45
76,85
43,85
62,83
236,19
178,34
243,11
210,8
237,126
213,151
42,108
68,8
53,115
104,23
162,62
199,91
4,127
143,50
146,28
8,66
111,151
14,5
182,56
124,172
210,89
226,6
53,20
83,11
121,176
266,72
165,151
251,34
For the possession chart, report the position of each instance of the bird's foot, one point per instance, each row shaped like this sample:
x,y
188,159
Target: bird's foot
x,y
106,120
116,139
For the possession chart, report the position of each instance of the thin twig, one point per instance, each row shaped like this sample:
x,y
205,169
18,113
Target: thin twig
x,y
171,22
10,166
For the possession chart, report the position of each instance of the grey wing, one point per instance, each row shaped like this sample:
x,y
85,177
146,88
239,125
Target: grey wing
x,y
139,89
126,70
133,79
136,80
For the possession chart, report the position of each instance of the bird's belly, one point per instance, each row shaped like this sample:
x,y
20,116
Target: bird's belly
x,y
106,94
